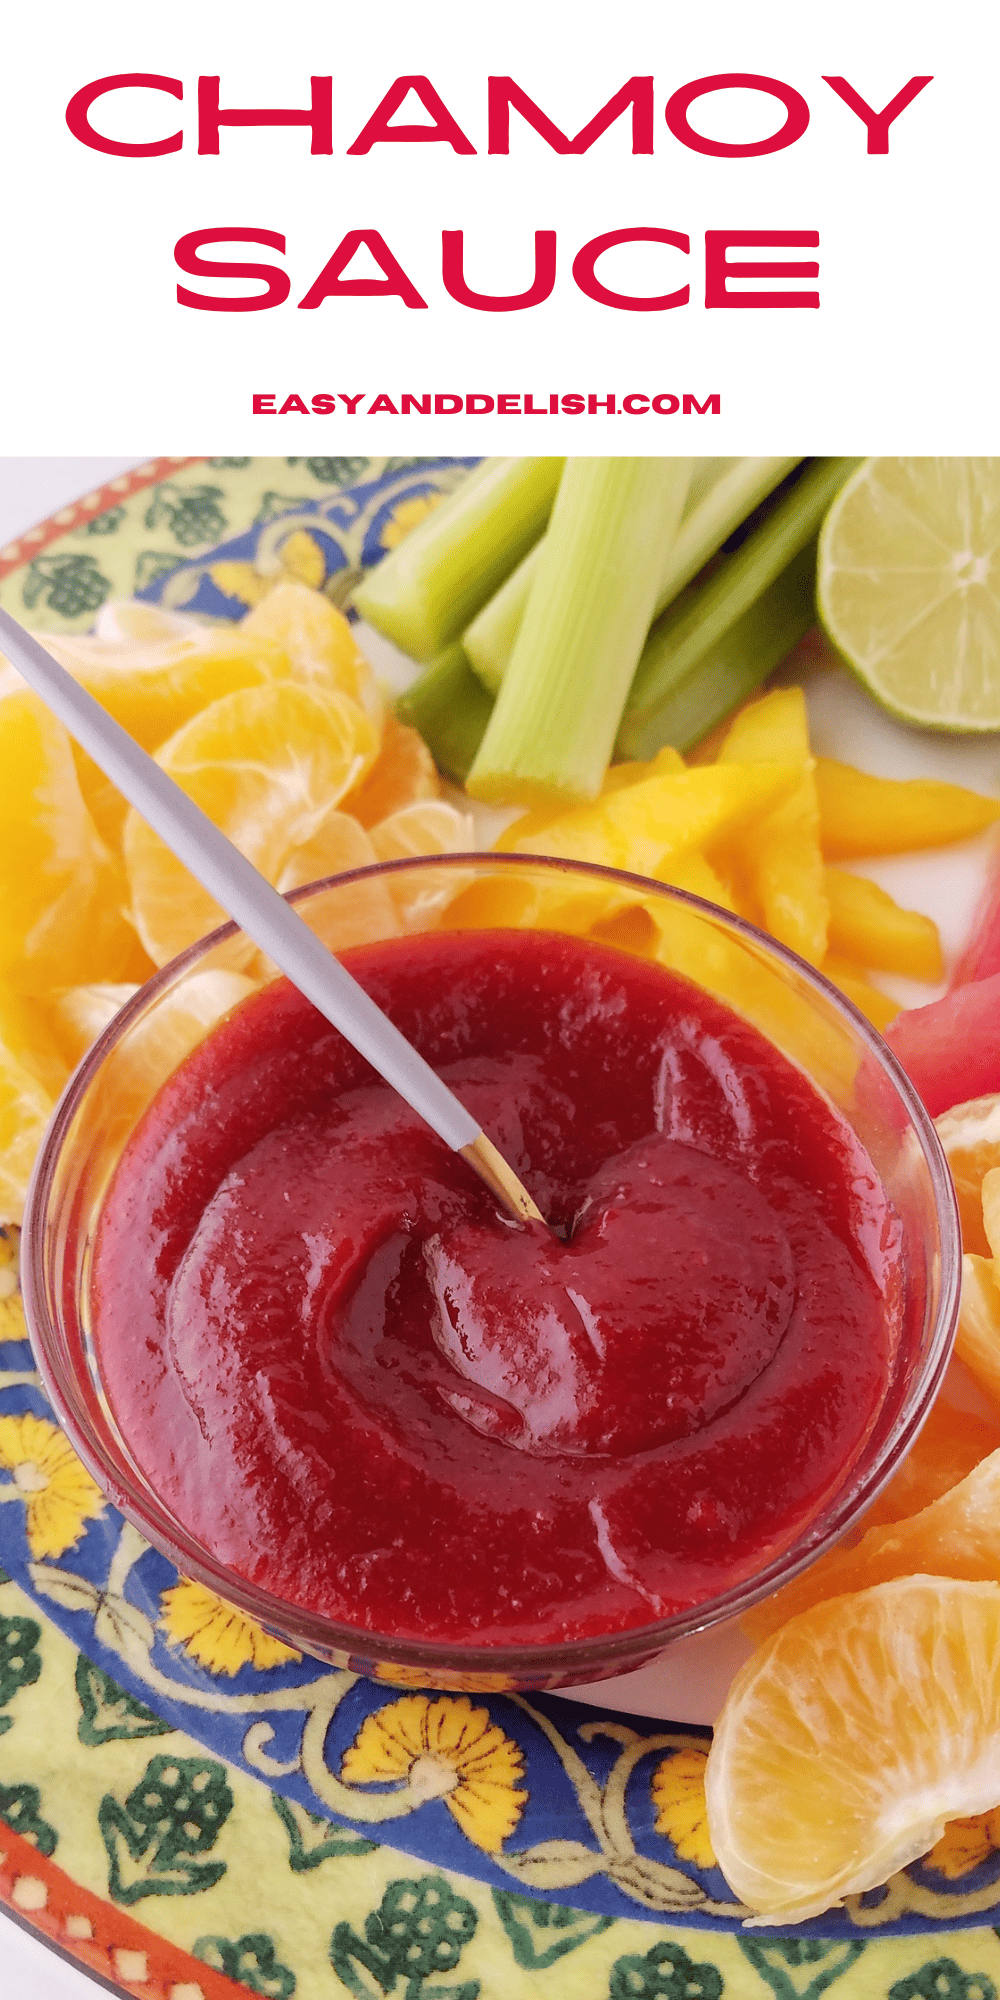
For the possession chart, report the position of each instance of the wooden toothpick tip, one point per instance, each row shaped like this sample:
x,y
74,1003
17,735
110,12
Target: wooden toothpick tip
x,y
501,1179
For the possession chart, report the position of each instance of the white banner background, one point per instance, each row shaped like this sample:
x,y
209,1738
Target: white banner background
x,y
900,355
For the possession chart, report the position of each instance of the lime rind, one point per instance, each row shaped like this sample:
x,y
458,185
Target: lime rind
x,y
908,588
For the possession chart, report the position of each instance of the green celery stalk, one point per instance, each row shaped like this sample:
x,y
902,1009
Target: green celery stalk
x,y
489,640
723,491
428,588
451,709
553,727
719,511
726,632
726,672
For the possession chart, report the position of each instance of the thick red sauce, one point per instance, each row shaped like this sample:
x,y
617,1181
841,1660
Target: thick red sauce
x,y
370,1392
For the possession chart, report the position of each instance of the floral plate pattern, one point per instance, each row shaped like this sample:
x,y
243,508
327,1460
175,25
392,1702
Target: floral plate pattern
x,y
566,1834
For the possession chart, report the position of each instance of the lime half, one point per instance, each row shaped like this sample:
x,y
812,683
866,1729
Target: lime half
x,y
909,586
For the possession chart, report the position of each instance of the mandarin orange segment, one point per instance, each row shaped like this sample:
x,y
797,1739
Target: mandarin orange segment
x,y
433,827
267,765
78,1014
338,844
977,1341
957,1535
153,688
851,1738
62,891
315,638
970,1135
404,773
990,1193
952,1442
32,1073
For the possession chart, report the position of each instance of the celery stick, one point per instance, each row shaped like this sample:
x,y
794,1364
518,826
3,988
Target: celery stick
x,y
723,635
451,708
705,527
739,661
553,727
422,594
718,500
489,640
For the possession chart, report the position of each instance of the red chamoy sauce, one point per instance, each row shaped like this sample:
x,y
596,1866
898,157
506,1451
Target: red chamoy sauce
x,y
367,1390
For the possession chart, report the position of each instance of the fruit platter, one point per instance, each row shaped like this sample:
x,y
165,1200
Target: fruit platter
x,y
771,686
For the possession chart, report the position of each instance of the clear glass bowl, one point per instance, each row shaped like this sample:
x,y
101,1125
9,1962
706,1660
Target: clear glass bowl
x,y
793,1005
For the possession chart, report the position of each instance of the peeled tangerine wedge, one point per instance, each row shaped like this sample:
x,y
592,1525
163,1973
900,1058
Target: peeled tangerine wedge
x,y
977,1341
958,1534
32,1073
970,1135
268,765
61,889
851,1738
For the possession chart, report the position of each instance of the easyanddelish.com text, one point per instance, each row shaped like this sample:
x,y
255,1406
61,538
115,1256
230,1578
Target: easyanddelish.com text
x,y
478,404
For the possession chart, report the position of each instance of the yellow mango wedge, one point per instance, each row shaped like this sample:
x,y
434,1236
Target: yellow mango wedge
x,y
782,865
641,827
867,925
616,779
861,815
876,1006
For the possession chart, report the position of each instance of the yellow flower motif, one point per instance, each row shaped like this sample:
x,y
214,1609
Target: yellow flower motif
x,y
217,1635
965,1843
242,580
679,1797
406,515
444,1749
58,1493
302,559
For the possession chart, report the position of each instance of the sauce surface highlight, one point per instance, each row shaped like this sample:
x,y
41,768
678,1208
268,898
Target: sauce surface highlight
x,y
368,1391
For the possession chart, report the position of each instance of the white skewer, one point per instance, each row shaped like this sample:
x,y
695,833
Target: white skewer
x,y
261,912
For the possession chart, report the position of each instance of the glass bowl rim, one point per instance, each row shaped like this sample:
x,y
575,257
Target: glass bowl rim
x,y
567,1659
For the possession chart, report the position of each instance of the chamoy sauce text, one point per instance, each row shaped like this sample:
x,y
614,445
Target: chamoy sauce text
x,y
366,1390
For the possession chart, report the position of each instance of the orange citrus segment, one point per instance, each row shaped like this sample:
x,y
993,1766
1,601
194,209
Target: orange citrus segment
x,y
152,684
851,1738
61,891
78,1014
970,1135
957,1535
433,827
337,845
316,639
977,1341
32,1073
176,1023
267,765
155,687
404,772
991,1208
952,1441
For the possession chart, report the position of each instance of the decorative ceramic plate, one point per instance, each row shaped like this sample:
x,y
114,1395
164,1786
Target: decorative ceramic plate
x,y
185,1802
